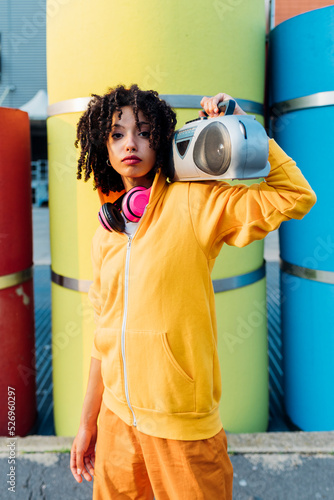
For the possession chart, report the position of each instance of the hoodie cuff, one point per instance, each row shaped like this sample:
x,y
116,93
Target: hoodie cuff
x,y
276,155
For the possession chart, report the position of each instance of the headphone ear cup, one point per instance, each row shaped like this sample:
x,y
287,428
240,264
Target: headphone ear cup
x,y
134,203
110,218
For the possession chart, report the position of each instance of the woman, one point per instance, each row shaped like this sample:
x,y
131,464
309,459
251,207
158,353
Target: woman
x,y
154,378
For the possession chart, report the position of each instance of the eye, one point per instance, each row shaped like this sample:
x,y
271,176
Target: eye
x,y
116,135
145,134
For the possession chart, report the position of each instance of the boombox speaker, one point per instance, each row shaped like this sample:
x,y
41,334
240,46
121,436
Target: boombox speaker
x,y
226,147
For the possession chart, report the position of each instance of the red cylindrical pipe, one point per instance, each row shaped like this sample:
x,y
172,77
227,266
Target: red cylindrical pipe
x,y
17,329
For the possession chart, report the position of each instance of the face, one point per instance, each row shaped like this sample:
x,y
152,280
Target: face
x,y
129,148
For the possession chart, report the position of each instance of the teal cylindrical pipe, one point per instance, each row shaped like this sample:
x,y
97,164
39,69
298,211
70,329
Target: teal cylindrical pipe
x,y
302,65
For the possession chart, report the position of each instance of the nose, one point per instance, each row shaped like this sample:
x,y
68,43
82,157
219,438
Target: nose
x,y
131,144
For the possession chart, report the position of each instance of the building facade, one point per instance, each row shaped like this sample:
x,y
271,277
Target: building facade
x,y
284,9
23,50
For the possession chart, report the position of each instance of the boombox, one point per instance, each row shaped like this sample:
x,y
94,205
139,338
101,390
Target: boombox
x,y
226,147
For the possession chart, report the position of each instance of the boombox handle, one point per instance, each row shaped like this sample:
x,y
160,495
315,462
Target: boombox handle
x,y
230,106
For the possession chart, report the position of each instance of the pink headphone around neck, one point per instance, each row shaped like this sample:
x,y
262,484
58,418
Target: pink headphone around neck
x,y
132,204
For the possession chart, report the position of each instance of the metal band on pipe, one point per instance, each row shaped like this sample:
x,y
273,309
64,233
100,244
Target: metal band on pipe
x,y
194,102
70,283
307,273
14,279
317,100
234,282
220,285
79,104
184,101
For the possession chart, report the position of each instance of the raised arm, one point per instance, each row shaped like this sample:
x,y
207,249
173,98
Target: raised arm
x,y
240,214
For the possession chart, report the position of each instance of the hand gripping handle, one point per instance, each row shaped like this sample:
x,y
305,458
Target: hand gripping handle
x,y
230,106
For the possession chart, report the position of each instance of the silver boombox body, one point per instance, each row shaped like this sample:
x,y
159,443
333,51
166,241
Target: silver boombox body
x,y
226,147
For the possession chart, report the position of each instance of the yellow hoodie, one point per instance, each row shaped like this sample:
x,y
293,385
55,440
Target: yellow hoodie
x,y
156,332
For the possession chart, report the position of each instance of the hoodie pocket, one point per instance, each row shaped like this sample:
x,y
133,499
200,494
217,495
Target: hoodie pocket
x,y
108,342
156,380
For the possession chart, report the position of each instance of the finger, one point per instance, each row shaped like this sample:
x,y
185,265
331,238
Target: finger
x,y
215,101
86,474
79,462
210,104
213,111
201,113
220,98
73,462
73,467
208,107
206,104
76,476
89,466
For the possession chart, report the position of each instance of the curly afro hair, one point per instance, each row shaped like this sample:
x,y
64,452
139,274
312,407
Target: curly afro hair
x,y
94,127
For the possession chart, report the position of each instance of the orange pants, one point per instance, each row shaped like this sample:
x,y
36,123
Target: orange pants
x,y
134,466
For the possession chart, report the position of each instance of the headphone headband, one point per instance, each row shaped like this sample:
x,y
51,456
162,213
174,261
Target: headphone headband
x,y
133,206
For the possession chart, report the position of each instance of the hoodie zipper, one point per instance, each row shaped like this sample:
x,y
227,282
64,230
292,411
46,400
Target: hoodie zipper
x,y
126,292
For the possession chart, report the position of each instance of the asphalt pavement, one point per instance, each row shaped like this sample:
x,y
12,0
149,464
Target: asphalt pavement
x,y
267,466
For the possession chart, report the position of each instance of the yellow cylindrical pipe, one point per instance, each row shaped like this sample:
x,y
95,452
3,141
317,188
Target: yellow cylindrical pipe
x,y
242,342
174,48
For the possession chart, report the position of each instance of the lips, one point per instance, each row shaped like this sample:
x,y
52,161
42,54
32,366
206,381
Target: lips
x,y
131,160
